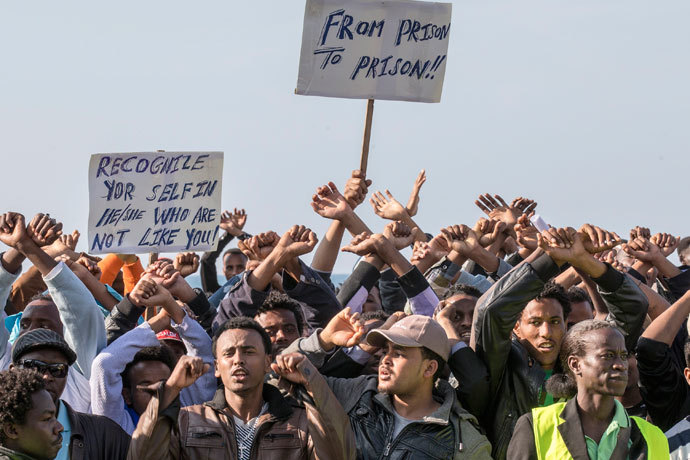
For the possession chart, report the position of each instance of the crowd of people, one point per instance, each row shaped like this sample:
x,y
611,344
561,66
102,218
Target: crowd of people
x,y
508,339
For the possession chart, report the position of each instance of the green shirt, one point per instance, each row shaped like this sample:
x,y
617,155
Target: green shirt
x,y
548,399
608,441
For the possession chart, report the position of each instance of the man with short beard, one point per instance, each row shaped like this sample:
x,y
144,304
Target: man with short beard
x,y
247,418
405,411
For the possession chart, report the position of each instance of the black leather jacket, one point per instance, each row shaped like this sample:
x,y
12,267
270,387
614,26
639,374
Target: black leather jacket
x,y
95,437
449,433
515,378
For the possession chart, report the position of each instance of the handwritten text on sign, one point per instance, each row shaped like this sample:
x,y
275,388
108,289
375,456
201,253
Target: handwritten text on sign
x,y
374,49
154,202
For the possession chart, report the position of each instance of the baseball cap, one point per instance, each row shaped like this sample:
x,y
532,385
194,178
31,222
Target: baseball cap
x,y
42,338
414,331
167,334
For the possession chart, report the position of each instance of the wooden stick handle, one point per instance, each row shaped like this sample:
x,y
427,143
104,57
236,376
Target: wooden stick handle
x,y
367,136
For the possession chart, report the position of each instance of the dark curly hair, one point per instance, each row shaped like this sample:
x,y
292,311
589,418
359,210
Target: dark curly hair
x,y
462,289
378,314
577,294
277,300
158,353
242,322
16,387
556,292
562,385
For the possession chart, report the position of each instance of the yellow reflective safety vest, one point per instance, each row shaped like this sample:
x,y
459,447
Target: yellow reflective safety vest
x,y
550,444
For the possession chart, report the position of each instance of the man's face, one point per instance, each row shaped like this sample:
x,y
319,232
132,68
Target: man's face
x,y
541,329
281,326
242,361
579,311
462,306
40,314
39,436
233,264
143,373
54,385
604,367
373,302
402,370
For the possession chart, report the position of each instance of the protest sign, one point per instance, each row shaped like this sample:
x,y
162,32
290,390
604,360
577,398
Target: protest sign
x,y
154,201
365,49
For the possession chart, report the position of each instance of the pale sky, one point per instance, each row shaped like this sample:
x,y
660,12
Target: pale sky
x,y
583,106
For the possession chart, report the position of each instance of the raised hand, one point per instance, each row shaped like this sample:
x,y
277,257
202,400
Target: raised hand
x,y
233,222
356,189
329,203
643,250
563,245
297,241
44,230
499,209
667,243
640,232
461,239
596,239
525,205
399,234
258,247
186,263
90,265
526,233
143,290
343,330
488,231
67,241
294,367
363,244
413,202
13,229
186,372
388,208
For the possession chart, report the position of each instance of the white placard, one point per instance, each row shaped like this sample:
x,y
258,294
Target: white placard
x,y
365,49
154,201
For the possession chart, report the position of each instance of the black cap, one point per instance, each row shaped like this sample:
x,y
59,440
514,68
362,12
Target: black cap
x,y
41,338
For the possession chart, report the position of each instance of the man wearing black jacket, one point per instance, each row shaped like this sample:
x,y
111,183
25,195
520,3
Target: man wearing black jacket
x,y
518,337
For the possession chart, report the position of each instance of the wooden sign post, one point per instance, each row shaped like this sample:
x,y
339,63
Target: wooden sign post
x,y
367,137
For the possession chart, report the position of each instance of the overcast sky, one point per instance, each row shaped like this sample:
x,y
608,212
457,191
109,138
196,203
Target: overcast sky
x,y
583,106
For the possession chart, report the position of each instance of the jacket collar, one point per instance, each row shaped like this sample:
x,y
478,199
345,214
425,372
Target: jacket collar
x,y
278,407
574,437
571,431
440,416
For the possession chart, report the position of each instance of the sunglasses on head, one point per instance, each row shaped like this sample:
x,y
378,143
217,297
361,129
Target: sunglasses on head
x,y
57,370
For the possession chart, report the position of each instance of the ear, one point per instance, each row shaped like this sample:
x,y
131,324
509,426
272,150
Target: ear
x,y
10,431
686,372
11,366
516,329
574,364
127,396
431,369
216,372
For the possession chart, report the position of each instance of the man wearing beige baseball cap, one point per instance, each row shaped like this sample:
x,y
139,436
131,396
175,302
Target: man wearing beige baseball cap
x,y
406,411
